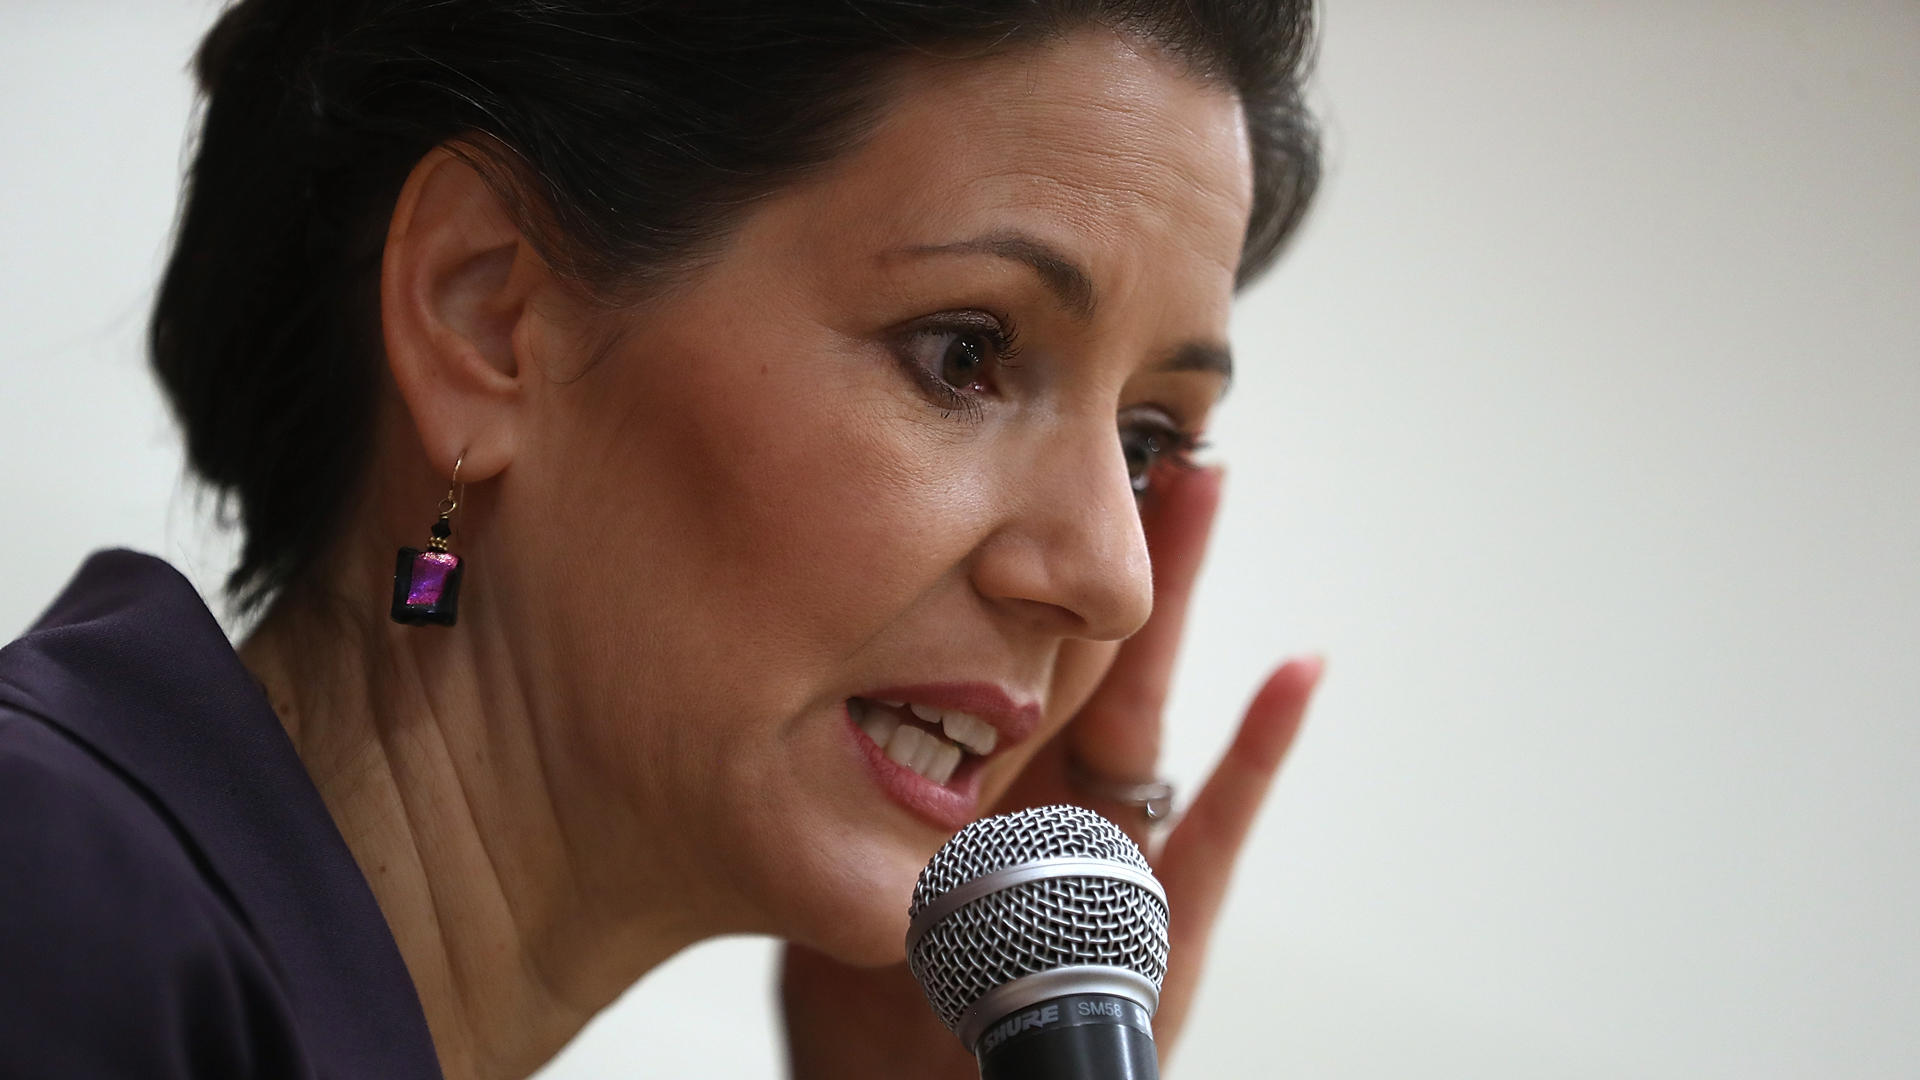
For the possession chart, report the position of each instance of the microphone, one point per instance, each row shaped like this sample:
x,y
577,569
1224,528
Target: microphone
x,y
1040,938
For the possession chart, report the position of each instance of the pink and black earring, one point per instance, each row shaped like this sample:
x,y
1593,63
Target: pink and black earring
x,y
426,584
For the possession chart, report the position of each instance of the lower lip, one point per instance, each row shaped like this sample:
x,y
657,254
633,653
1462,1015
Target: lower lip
x,y
951,806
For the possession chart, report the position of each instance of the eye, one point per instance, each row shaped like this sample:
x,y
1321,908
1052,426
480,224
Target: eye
x,y
1149,437
963,360
954,355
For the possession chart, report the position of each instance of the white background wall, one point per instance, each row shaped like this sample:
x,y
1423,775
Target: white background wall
x,y
1581,429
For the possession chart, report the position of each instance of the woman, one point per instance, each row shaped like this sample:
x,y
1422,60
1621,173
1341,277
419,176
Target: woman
x,y
807,393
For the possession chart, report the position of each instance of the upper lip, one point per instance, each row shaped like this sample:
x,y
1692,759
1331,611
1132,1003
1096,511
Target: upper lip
x,y
1012,718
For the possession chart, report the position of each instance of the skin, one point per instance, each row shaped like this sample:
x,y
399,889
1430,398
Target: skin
x,y
695,527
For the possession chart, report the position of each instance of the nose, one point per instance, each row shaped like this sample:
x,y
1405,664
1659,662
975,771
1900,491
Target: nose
x,y
1069,554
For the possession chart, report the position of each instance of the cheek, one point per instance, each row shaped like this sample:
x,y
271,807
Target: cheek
x,y
784,499
829,513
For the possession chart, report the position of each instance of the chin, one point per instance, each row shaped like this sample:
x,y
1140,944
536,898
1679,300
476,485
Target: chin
x,y
843,888
877,948
835,870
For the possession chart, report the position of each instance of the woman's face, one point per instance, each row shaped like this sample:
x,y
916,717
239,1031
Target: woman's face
x,y
878,460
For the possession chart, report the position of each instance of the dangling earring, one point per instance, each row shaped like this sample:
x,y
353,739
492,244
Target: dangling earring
x,y
426,584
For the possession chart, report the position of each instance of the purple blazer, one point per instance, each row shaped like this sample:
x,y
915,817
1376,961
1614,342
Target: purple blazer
x,y
175,901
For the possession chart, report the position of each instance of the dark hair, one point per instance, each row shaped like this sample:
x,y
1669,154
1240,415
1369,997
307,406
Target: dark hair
x,y
629,134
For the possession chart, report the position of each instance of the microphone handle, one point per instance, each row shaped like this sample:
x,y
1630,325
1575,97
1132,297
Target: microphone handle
x,y
1071,1037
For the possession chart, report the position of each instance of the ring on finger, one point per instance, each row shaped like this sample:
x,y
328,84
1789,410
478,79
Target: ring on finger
x,y
1154,798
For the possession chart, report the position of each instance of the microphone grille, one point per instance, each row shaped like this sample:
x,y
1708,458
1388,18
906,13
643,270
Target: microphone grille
x,y
996,843
1038,925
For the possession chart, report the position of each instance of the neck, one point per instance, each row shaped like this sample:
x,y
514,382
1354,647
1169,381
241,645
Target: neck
x,y
422,742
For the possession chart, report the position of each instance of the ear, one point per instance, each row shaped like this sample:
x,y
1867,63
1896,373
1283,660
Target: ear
x,y
455,283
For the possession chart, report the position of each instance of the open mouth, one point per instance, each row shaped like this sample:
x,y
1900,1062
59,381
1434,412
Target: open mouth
x,y
931,742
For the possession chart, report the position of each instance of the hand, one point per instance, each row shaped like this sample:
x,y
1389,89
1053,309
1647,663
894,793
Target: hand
x,y
854,1022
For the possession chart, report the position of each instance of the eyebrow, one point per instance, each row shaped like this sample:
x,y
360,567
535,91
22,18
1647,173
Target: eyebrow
x,y
1069,283
1200,356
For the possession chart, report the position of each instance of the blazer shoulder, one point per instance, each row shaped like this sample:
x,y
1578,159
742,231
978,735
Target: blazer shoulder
x,y
119,957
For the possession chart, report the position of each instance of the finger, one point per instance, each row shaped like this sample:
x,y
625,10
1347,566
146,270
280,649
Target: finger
x,y
1196,863
1198,858
1117,733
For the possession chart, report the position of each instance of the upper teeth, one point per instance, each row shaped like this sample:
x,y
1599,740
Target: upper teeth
x,y
920,750
975,734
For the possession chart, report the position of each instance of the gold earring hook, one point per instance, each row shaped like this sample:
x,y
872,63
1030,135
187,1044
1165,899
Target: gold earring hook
x,y
448,504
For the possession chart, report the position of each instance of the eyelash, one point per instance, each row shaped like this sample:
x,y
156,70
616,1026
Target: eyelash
x,y
1151,439
1161,441
996,332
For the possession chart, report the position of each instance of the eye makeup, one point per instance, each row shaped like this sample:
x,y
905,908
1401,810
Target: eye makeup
x,y
1149,438
953,356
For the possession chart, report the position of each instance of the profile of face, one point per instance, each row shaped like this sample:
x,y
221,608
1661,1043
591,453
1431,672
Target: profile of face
x,y
877,465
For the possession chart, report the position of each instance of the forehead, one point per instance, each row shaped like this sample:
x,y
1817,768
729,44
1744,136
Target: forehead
x,y
1104,147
